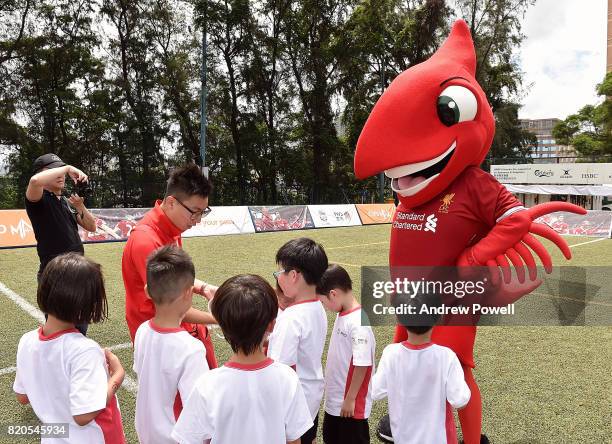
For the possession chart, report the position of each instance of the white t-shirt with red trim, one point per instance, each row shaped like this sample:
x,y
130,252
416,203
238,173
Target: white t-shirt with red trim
x,y
261,403
351,345
418,380
65,375
168,362
297,340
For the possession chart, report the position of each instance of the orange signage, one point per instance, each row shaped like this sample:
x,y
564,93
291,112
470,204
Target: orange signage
x,y
375,213
15,229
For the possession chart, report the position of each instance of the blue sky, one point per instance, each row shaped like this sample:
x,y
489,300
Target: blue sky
x,y
563,56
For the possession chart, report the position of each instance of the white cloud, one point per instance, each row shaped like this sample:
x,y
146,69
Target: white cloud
x,y
563,56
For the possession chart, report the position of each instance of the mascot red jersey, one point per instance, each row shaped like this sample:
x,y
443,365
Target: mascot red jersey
x,y
429,132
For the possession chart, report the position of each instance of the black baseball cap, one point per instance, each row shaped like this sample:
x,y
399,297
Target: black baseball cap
x,y
48,160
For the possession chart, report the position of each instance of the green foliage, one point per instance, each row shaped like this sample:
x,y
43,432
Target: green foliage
x,y
113,87
589,131
510,142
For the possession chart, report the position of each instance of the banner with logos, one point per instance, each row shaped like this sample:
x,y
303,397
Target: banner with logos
x,y
113,224
221,221
334,215
574,190
594,223
556,173
281,218
15,229
375,213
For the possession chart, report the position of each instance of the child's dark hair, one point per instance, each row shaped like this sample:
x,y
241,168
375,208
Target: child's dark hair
x,y
305,256
423,319
244,306
188,181
169,271
72,289
334,277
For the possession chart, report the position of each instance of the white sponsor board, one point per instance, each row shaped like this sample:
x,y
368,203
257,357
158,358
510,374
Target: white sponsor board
x,y
223,220
334,215
555,173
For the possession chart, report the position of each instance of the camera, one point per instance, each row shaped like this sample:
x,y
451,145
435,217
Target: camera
x,y
81,188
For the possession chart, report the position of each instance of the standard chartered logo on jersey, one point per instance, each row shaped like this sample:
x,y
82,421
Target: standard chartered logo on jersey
x,y
416,222
431,223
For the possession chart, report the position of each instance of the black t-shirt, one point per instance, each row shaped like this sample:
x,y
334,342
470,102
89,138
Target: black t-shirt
x,y
55,227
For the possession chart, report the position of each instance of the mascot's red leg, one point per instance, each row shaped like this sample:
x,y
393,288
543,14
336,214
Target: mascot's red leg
x,y
470,417
451,428
401,334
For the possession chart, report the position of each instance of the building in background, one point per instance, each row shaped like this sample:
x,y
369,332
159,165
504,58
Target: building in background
x,y
547,149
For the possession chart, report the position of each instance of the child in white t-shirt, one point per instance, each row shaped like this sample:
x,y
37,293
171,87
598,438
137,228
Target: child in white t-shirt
x,y
350,363
419,378
167,359
251,399
64,376
299,334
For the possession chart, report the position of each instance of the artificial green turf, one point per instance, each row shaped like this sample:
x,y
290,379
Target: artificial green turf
x,y
539,384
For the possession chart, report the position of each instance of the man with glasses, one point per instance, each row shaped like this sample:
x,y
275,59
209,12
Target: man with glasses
x,y
184,205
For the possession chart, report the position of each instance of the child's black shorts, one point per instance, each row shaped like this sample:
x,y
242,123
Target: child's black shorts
x,y
339,430
311,433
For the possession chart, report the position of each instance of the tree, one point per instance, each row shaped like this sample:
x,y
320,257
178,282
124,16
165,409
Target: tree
x,y
311,28
496,30
511,143
589,131
379,40
51,76
135,77
270,91
113,86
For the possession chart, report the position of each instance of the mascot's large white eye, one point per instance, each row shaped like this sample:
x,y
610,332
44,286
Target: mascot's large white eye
x,y
456,104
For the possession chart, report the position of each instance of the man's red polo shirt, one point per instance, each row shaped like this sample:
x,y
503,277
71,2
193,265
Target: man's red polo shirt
x,y
153,231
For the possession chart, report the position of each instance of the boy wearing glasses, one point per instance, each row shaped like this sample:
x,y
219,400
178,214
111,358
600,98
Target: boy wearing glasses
x,y
184,205
298,337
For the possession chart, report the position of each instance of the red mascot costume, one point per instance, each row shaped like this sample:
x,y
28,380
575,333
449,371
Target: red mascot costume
x,y
429,132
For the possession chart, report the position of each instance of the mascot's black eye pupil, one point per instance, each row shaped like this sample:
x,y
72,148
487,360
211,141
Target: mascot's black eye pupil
x,y
448,111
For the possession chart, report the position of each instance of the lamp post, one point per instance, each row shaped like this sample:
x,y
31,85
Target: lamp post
x,y
203,94
381,176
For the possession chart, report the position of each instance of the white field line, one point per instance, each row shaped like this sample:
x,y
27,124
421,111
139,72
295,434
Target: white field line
x,y
7,370
23,304
355,245
588,242
128,383
120,346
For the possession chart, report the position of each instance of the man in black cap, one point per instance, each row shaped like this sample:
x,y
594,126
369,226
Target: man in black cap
x,y
54,217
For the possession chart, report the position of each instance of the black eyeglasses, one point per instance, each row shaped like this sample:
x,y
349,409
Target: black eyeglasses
x,y
194,214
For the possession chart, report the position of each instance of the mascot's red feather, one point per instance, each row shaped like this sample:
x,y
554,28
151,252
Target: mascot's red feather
x,y
428,132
